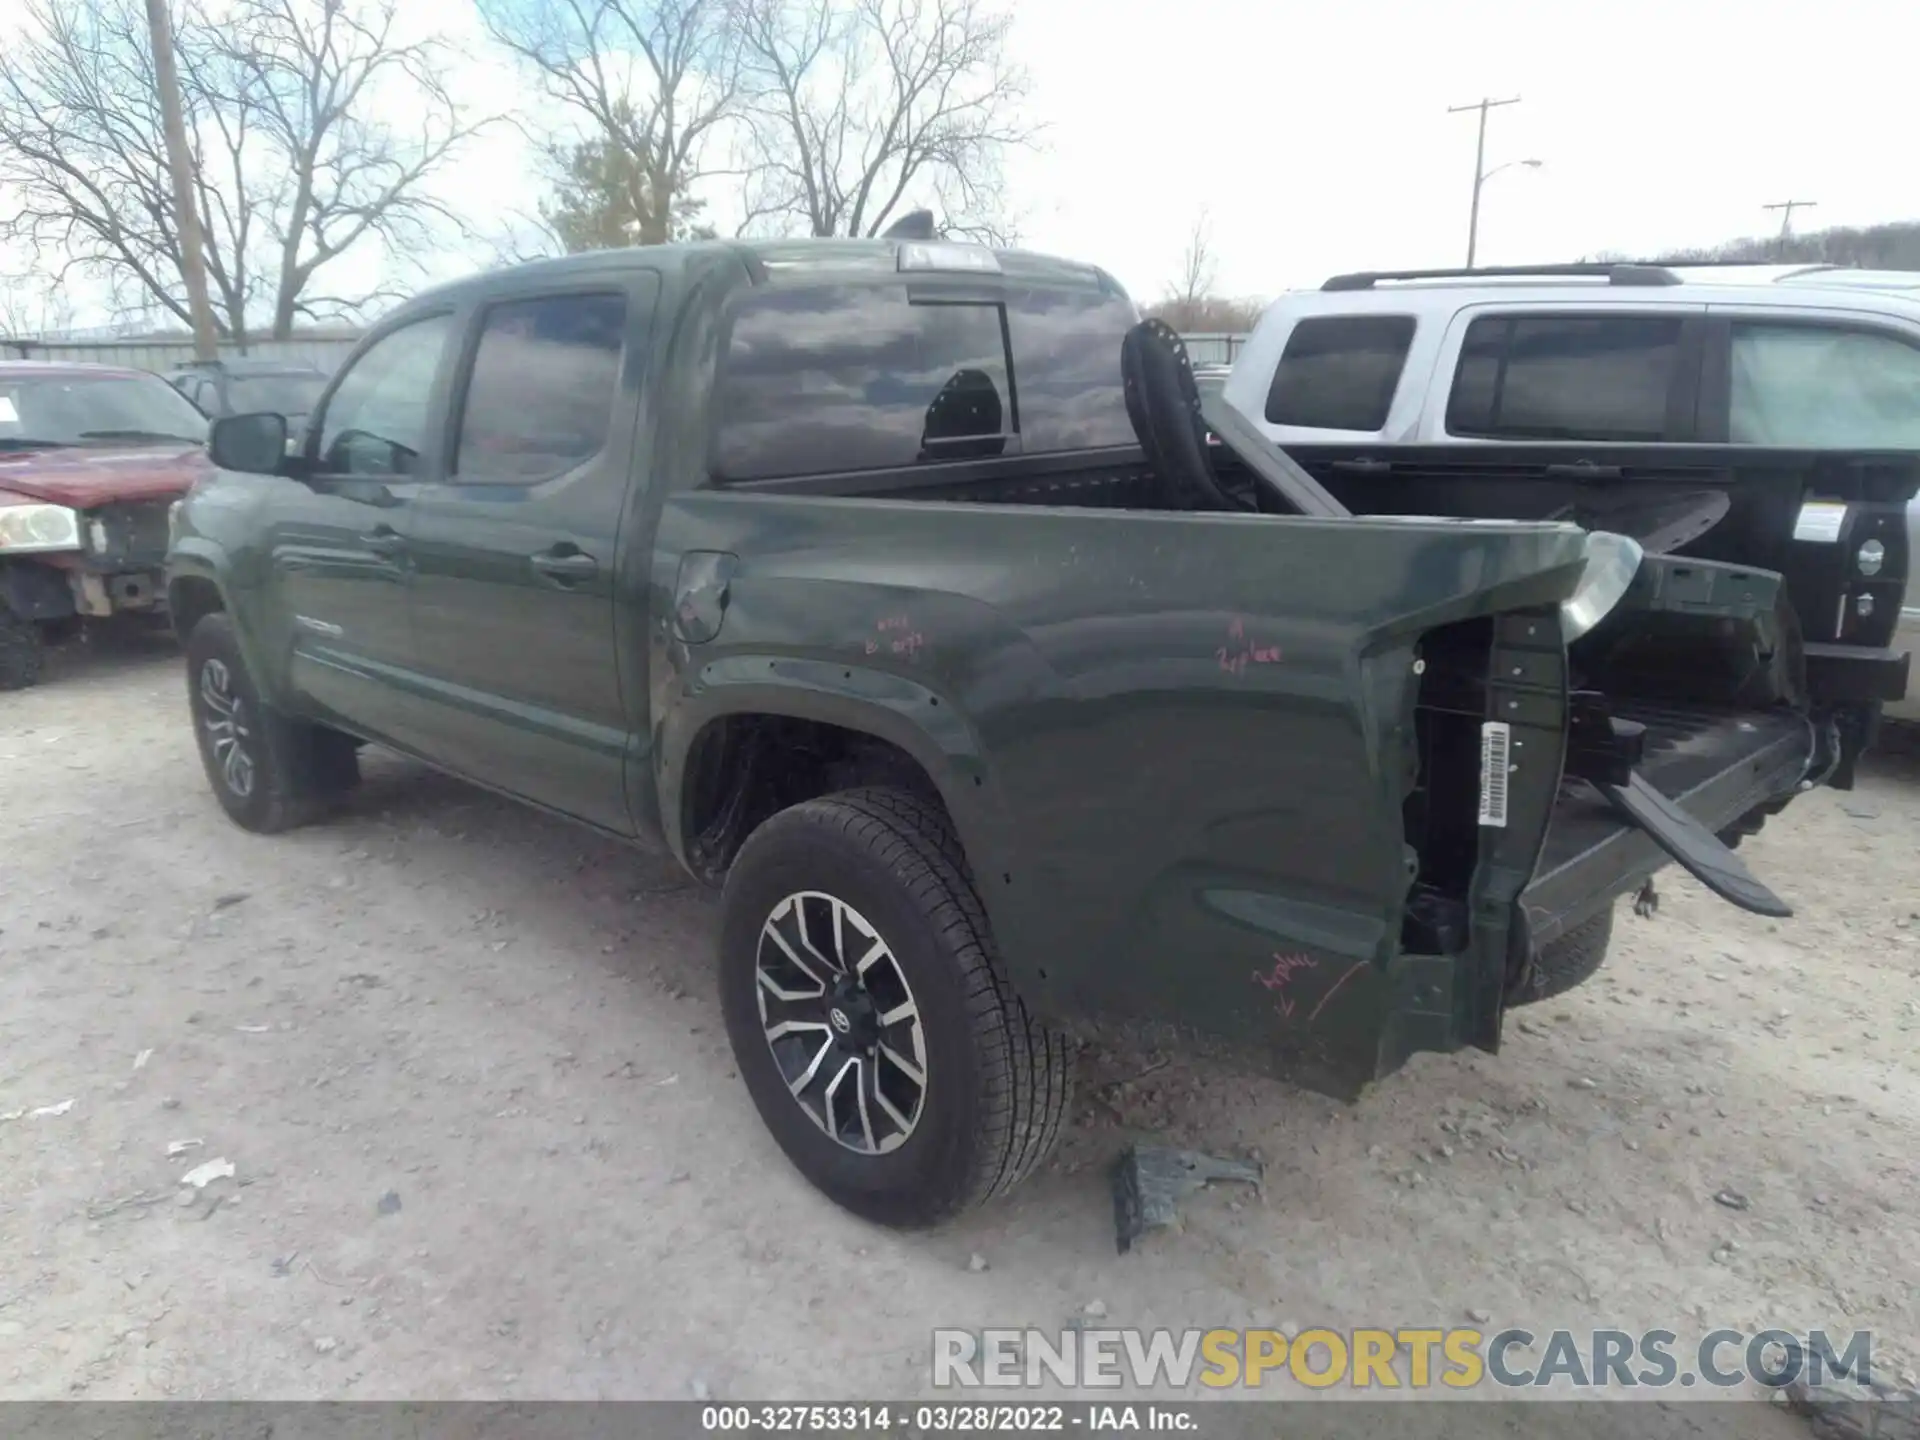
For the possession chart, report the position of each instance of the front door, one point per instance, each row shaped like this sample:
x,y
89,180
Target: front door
x,y
337,540
515,549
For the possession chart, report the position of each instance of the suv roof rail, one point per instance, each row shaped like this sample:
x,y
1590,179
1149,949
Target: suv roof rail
x,y
1750,264
1615,273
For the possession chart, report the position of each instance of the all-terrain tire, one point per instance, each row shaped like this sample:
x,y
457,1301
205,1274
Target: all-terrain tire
x,y
1568,961
287,772
21,651
996,1080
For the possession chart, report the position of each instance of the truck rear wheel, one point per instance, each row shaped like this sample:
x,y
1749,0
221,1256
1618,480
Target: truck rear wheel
x,y
1568,961
269,772
870,1015
21,651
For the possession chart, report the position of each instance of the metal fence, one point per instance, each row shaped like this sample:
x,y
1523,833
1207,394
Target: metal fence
x,y
322,349
1217,348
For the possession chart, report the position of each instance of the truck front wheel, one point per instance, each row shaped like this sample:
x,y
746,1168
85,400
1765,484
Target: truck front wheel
x,y
269,772
21,650
871,1017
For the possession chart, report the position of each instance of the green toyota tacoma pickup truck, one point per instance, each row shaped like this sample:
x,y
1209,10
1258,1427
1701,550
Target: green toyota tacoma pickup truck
x,y
891,584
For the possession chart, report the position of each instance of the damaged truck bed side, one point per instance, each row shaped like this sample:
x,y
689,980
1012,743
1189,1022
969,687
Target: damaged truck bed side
x,y
900,594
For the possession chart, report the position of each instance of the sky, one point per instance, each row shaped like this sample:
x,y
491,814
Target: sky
x,y
1319,138
1316,138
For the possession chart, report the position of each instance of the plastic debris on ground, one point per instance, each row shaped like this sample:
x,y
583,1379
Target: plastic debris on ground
x,y
205,1174
1149,1181
36,1113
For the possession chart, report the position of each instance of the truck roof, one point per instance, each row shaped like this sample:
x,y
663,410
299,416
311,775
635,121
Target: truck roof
x,y
807,260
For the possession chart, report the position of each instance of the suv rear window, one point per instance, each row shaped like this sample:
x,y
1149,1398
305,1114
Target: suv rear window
x,y
856,377
1339,372
1565,377
1822,387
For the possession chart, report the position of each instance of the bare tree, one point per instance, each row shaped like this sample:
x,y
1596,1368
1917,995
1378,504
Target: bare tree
x,y
653,80
313,78
858,108
83,152
290,167
1191,306
31,309
1198,270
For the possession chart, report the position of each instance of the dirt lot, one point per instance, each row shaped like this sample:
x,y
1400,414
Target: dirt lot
x,y
469,1069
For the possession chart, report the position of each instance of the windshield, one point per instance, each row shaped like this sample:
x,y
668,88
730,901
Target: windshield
x,y
277,394
94,410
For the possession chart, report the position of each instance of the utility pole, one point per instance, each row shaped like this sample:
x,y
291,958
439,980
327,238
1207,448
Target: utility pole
x,y
186,216
1786,209
1479,166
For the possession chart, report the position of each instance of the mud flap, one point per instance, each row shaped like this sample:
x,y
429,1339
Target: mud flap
x,y
1696,848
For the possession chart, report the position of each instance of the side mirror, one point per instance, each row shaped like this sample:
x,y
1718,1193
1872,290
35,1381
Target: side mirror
x,y
256,444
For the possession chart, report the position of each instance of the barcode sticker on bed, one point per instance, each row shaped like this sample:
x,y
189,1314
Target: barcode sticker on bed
x,y
1496,741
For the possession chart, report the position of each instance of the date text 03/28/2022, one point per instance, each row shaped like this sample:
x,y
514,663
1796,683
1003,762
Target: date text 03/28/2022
x,y
949,1418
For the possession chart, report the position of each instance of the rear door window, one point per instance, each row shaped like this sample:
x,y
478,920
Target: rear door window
x,y
1566,377
1815,387
858,377
540,396
1339,372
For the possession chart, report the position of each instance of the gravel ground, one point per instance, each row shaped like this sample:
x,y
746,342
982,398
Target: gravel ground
x,y
468,1067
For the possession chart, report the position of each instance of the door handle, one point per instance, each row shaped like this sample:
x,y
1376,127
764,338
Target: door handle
x,y
565,567
384,540
1365,466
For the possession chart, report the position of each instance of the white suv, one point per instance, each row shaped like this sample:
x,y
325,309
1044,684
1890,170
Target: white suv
x,y
1793,389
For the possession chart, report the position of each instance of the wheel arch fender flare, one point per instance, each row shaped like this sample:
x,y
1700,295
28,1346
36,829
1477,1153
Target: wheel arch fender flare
x,y
199,583
898,710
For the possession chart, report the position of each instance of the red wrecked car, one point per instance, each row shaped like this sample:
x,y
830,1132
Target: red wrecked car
x,y
91,458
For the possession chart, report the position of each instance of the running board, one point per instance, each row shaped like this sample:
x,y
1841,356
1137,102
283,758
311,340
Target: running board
x,y
1697,849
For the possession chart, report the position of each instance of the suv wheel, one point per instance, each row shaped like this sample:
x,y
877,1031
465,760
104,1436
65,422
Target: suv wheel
x,y
21,651
871,1018
268,772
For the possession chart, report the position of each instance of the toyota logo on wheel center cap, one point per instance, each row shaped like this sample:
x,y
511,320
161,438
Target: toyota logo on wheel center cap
x,y
839,1019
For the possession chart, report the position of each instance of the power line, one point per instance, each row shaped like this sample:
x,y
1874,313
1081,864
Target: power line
x,y
1479,165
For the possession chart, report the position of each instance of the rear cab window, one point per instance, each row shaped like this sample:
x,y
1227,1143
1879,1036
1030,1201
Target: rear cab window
x,y
834,378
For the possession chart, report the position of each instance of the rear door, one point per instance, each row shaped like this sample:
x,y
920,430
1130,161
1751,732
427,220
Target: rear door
x,y
337,542
514,549
1530,410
